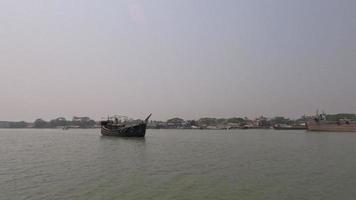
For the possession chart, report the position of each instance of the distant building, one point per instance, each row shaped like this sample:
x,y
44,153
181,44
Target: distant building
x,y
4,124
176,123
261,122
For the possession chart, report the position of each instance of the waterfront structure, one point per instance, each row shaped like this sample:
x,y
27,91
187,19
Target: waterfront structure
x,y
258,123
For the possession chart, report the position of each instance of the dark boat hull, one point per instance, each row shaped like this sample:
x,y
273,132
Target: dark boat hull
x,y
138,130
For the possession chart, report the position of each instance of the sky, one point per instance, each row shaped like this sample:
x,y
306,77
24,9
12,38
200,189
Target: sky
x,y
184,58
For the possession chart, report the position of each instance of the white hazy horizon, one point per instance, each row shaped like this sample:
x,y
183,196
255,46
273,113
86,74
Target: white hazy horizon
x,y
178,58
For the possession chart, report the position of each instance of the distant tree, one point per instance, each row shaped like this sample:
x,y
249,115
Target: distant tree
x,y
40,123
302,119
60,121
192,123
90,123
82,122
337,117
236,120
221,121
85,119
207,121
280,120
21,124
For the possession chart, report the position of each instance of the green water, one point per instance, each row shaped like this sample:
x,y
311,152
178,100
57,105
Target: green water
x,y
177,164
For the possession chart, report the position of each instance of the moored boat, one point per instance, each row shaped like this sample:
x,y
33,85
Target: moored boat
x,y
319,123
289,127
124,129
339,126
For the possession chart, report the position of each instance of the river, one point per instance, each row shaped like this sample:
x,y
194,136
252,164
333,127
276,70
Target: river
x,y
177,164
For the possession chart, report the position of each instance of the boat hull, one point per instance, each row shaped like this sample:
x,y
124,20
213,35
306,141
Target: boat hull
x,y
291,127
138,130
331,127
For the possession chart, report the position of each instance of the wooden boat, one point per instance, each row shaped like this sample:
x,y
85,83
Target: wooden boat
x,y
124,129
319,123
289,127
258,127
339,126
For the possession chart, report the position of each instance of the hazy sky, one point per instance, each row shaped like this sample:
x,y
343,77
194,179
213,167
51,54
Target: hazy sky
x,y
186,58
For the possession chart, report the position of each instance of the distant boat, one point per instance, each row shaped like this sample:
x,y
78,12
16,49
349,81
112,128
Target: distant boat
x,y
253,127
243,127
319,123
124,129
258,127
289,127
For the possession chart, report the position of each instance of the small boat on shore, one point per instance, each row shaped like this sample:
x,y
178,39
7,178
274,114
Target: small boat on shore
x,y
118,128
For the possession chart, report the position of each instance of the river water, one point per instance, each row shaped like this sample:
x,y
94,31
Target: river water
x,y
177,164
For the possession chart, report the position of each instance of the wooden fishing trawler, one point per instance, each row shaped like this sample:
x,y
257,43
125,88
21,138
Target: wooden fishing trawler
x,y
122,128
319,123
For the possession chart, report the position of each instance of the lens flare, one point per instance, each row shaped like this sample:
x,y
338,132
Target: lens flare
x,y
136,12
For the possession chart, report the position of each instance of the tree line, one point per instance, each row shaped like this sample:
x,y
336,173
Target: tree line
x,y
77,122
86,122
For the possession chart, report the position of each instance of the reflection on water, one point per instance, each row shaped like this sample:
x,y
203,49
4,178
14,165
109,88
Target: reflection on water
x,y
177,164
134,139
